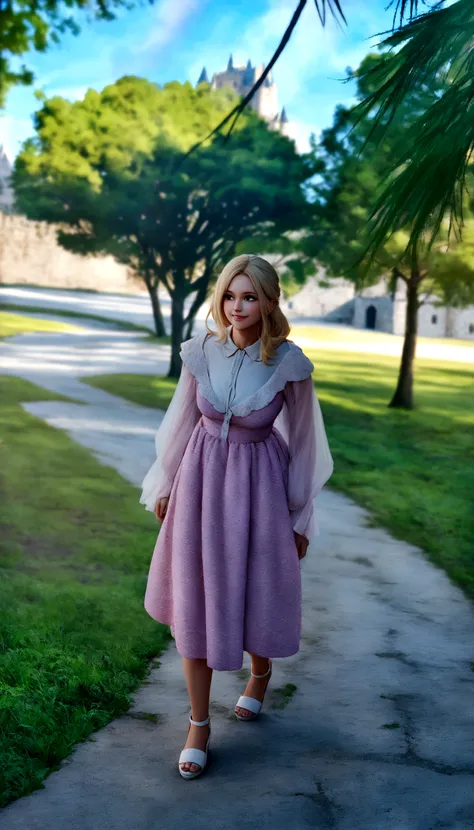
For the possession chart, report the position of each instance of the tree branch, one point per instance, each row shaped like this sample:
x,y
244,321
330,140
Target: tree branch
x,y
397,273
427,294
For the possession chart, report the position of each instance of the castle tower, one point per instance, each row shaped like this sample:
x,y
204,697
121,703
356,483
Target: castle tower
x,y
248,75
267,98
285,123
203,79
6,192
241,79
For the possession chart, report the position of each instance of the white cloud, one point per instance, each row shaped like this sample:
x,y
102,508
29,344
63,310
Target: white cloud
x,y
300,132
170,17
72,93
13,131
80,75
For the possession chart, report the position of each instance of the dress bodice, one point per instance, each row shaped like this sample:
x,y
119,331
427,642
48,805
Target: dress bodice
x,y
257,426
250,404
236,381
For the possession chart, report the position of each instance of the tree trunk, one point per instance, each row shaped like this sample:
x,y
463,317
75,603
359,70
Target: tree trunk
x,y
152,287
450,314
196,305
403,397
177,325
189,328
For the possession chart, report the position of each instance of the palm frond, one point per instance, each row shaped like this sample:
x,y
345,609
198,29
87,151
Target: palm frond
x,y
432,180
429,173
407,9
334,7
429,44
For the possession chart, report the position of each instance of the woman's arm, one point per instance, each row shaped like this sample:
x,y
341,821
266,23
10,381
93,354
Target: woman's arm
x,y
171,440
311,463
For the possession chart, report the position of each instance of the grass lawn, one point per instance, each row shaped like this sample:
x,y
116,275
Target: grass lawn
x,y
362,336
11,324
413,470
148,390
120,324
75,547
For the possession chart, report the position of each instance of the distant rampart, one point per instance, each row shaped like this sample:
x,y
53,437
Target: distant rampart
x,y
29,253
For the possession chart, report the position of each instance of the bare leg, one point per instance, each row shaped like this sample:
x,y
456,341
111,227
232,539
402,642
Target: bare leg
x,y
255,688
198,680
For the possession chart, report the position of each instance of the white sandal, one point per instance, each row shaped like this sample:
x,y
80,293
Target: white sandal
x,y
251,703
195,756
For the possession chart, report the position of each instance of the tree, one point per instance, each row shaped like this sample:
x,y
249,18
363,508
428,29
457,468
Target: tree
x,y
351,173
430,168
35,25
110,169
286,253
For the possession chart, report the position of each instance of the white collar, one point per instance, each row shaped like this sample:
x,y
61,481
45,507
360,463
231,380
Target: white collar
x,y
253,351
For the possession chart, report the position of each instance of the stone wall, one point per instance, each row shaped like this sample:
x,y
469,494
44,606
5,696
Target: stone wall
x,y
383,313
314,300
380,289
462,323
431,320
29,253
435,320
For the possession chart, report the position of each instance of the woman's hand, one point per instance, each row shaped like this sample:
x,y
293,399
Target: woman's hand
x,y
301,543
161,507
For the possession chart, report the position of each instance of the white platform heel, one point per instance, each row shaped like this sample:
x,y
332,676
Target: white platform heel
x,y
195,756
251,703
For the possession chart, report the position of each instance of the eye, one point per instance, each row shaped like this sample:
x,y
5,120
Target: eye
x,y
228,296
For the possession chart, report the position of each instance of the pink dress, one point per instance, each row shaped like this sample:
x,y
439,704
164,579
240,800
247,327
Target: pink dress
x,y
241,475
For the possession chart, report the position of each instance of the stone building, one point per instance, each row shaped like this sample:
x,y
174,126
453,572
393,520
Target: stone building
x,y
241,79
376,308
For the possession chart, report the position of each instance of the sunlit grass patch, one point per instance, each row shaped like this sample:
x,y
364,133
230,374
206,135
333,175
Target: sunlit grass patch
x,y
79,315
11,324
155,391
348,334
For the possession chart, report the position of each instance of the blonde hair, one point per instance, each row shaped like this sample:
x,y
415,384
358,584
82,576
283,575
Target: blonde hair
x,y
275,328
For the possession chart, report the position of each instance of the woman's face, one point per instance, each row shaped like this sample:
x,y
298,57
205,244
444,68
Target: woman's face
x,y
241,305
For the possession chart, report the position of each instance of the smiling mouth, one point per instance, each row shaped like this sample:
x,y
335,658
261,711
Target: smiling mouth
x,y
238,317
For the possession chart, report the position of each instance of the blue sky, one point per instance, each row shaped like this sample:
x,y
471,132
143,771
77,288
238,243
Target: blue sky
x,y
173,39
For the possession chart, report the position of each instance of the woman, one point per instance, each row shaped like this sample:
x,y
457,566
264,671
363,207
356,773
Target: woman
x,y
241,454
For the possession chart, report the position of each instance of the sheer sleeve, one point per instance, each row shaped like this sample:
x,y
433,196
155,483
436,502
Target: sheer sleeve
x,y
171,440
302,427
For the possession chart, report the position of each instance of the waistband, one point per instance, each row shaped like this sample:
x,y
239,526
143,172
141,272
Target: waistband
x,y
237,434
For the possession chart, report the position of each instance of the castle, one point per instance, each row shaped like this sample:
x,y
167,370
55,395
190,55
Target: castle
x,y
264,102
